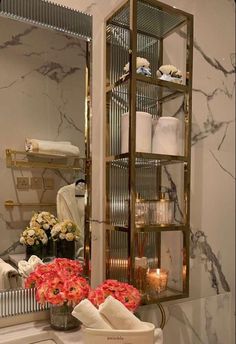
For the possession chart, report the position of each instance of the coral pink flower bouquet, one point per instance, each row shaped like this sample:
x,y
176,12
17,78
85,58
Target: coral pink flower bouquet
x,y
61,284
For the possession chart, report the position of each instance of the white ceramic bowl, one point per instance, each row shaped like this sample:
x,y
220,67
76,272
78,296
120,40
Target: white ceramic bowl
x,y
93,336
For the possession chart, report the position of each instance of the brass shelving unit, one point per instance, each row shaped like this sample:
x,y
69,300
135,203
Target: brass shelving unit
x,y
140,28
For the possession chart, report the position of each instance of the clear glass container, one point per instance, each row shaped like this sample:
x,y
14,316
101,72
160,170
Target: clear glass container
x,y
141,211
161,211
62,319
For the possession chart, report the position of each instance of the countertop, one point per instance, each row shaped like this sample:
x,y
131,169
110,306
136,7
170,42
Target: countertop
x,y
33,332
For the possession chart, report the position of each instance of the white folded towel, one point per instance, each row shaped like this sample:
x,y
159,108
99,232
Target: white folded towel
x,y
88,314
9,277
51,147
26,267
119,316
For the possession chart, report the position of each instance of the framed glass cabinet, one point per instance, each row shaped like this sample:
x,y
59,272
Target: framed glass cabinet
x,y
149,51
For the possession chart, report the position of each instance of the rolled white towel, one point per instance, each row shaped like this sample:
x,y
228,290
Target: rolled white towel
x,y
88,314
9,277
119,316
26,267
51,147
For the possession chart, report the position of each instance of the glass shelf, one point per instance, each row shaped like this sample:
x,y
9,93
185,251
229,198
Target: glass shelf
x,y
167,295
146,159
149,228
149,12
149,89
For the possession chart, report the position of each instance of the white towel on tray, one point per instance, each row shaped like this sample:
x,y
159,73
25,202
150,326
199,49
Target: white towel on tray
x,y
88,314
119,316
51,147
9,276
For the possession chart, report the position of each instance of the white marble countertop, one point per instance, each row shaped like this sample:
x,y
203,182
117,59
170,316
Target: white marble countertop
x,y
34,332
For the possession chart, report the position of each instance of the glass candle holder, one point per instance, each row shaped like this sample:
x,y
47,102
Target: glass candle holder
x,y
157,280
162,210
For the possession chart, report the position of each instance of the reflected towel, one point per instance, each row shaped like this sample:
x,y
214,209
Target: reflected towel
x,y
119,316
26,267
9,277
88,314
51,147
158,336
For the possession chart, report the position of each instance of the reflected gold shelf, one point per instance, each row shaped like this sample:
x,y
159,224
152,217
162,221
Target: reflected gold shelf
x,y
149,228
20,159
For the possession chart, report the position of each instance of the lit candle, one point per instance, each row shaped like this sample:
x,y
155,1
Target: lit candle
x,y
157,279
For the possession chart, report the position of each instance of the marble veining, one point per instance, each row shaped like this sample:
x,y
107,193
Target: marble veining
x,y
16,39
55,71
220,164
198,241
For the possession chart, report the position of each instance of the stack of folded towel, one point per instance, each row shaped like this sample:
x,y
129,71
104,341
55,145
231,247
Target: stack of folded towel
x,y
9,277
111,315
26,267
51,147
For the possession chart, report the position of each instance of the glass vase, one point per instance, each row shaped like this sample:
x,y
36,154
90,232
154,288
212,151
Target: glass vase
x,y
65,249
61,318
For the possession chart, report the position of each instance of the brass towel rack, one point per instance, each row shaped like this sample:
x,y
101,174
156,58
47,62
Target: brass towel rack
x,y
11,204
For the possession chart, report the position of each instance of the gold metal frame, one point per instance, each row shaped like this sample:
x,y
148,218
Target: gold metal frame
x,y
128,160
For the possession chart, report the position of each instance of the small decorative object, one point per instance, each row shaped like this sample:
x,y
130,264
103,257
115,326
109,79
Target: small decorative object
x,y
65,234
123,292
166,136
143,132
157,280
45,220
162,210
142,67
170,73
140,263
59,283
35,239
141,211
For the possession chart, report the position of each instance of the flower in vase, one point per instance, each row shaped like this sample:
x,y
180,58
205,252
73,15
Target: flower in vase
x,y
44,220
33,236
59,282
123,292
65,230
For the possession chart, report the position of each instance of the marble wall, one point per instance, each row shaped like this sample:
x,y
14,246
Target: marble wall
x,y
42,95
207,318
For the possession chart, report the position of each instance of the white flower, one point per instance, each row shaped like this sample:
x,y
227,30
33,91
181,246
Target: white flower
x,y
169,70
31,232
44,240
62,236
140,62
22,240
46,226
30,241
69,236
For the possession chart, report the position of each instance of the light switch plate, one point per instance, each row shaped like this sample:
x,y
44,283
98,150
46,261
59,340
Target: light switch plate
x,y
22,183
48,183
36,183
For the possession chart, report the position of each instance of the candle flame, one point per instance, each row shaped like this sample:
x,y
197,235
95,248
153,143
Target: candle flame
x,y
158,271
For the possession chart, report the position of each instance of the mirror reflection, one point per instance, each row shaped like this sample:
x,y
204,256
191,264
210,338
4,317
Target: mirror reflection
x,y
42,135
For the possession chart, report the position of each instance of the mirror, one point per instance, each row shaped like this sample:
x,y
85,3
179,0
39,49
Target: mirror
x,y
43,130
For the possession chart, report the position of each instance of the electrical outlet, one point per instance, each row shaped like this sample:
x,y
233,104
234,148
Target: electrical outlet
x,y
48,183
36,183
22,183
